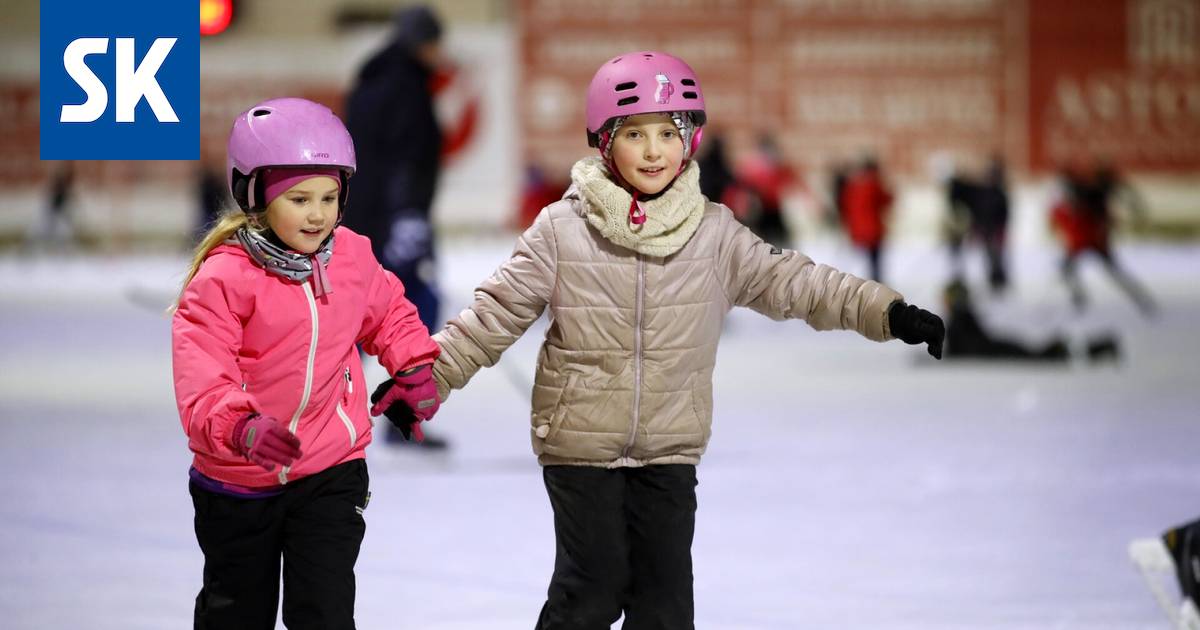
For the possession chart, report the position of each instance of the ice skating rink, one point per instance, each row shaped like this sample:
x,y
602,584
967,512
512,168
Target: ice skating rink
x,y
848,484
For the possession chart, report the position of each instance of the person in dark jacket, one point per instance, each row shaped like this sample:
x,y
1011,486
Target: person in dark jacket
x,y
990,221
210,198
966,337
390,115
56,229
716,177
980,211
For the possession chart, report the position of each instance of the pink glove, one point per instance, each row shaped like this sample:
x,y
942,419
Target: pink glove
x,y
407,400
266,442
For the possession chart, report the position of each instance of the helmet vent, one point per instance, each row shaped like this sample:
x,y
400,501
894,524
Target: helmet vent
x,y
689,95
628,85
261,112
628,100
687,82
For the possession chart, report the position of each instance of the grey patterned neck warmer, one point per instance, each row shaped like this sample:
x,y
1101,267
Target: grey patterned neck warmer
x,y
285,262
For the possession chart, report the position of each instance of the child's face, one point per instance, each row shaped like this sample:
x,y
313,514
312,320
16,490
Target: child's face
x,y
305,214
648,150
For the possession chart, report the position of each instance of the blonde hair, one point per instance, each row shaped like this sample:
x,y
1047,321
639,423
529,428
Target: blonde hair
x,y
230,221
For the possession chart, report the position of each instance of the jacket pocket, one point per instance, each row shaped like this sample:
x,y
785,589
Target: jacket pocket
x,y
349,425
702,407
556,411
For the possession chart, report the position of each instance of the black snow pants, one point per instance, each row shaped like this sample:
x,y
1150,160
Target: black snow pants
x,y
315,527
623,546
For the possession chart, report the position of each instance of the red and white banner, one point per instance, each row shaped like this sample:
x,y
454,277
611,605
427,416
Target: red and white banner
x,y
1117,80
1040,82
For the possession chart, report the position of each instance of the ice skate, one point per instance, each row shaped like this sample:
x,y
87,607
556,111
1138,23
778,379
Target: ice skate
x,y
1189,616
1170,556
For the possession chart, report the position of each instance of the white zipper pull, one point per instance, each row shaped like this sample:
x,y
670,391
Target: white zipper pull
x,y
349,382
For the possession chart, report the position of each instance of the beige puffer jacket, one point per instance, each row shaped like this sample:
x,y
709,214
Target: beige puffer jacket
x,y
624,377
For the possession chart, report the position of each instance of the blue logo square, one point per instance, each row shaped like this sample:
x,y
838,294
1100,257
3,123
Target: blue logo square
x,y
120,80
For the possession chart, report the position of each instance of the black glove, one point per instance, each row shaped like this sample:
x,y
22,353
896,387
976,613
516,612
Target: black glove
x,y
400,414
914,326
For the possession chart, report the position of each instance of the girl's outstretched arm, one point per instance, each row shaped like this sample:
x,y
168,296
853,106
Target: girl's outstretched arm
x,y
785,284
505,306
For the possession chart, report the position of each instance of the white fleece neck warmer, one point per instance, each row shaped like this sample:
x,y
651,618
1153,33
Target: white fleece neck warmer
x,y
671,218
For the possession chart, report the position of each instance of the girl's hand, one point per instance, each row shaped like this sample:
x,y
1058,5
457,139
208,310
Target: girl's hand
x,y
266,442
914,326
407,399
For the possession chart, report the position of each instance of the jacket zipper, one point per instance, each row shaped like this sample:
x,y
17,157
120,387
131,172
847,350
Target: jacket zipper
x,y
342,412
308,373
637,355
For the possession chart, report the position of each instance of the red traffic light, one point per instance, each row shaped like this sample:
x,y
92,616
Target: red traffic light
x,y
215,16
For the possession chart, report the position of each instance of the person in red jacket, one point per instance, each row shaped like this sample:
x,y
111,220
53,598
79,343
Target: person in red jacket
x,y
1084,222
268,380
866,201
767,176
537,192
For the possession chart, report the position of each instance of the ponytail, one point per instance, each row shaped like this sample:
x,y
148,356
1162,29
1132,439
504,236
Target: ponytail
x,y
230,221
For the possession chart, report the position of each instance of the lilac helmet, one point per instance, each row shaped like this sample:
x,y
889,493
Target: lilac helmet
x,y
643,82
283,133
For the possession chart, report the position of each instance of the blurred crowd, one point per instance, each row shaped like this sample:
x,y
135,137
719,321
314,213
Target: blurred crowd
x,y
394,195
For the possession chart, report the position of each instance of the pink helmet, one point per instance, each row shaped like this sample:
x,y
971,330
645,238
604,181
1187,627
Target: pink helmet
x,y
643,82
283,133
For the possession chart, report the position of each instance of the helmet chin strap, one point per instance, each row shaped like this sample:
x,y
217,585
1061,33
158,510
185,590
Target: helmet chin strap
x,y
637,212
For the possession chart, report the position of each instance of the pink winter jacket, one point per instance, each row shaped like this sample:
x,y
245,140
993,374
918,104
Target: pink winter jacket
x,y
246,340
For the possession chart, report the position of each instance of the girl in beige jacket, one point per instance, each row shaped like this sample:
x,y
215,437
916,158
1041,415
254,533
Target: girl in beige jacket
x,y
639,271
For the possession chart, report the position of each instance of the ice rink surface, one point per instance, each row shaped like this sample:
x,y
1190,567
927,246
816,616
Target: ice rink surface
x,y
848,484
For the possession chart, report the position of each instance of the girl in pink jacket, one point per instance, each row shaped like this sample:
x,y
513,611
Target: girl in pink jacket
x,y
268,378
